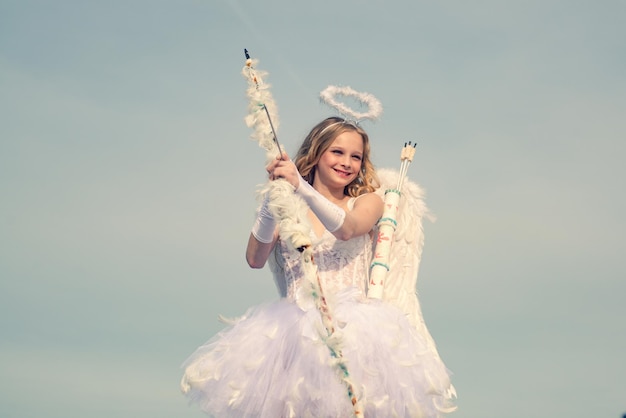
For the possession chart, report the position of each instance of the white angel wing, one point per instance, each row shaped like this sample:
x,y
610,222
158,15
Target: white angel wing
x,y
406,251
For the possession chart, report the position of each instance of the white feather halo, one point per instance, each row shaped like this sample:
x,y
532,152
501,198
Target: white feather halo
x,y
374,107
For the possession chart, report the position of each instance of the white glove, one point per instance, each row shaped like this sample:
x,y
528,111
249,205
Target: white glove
x,y
265,224
331,215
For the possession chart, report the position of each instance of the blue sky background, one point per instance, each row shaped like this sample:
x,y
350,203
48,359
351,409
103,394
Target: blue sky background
x,y
127,188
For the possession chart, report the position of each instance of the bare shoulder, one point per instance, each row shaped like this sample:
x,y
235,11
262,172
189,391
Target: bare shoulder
x,y
368,200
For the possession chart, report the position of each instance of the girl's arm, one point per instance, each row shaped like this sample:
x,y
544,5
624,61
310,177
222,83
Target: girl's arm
x,y
258,252
263,237
367,210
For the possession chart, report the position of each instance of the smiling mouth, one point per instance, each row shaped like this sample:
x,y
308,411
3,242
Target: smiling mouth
x,y
343,173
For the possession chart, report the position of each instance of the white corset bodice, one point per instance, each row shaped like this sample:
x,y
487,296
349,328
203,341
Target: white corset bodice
x,y
340,264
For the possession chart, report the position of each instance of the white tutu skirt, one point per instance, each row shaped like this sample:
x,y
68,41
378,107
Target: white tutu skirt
x,y
273,363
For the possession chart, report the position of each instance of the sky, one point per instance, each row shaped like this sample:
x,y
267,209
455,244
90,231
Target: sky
x,y
128,179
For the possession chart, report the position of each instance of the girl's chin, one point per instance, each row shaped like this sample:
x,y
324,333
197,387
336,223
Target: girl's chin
x,y
345,181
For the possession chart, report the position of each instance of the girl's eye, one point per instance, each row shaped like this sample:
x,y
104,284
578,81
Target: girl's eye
x,y
357,157
338,152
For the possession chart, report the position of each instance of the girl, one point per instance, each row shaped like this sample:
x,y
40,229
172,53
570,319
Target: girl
x,y
275,361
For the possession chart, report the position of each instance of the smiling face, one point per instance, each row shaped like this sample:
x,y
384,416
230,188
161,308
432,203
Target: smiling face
x,y
318,142
340,164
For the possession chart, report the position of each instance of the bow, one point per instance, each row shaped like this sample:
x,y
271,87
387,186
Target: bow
x,y
290,210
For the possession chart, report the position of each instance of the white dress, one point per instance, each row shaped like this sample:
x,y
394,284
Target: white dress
x,y
273,362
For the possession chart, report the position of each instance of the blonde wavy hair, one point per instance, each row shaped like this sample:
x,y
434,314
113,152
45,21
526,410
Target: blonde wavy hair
x,y
320,139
